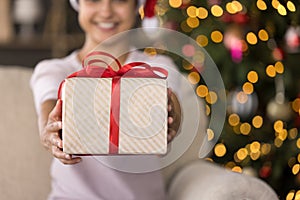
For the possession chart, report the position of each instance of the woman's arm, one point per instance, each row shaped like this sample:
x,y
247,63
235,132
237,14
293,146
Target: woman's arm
x,y
174,115
49,127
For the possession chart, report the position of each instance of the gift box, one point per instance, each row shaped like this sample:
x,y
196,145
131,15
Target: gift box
x,y
115,112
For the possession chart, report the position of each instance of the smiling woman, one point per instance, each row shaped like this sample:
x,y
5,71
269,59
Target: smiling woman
x,y
86,177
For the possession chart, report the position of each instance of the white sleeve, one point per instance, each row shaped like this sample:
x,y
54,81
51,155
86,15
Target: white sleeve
x,y
45,81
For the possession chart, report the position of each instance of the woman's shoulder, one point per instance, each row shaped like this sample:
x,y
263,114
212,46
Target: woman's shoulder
x,y
57,64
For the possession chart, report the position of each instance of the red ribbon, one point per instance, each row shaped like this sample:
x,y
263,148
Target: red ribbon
x,y
130,70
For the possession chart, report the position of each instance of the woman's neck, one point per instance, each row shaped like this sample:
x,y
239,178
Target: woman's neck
x,y
118,49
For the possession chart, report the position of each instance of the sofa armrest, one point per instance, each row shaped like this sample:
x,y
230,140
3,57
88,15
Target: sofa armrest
x,y
205,180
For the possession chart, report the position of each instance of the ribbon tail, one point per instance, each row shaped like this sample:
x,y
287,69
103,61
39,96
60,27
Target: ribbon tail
x,y
114,116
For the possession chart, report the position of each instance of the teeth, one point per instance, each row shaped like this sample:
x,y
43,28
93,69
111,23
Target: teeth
x,y
106,25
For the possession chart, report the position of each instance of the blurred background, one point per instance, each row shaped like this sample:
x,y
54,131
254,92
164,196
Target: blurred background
x,y
254,43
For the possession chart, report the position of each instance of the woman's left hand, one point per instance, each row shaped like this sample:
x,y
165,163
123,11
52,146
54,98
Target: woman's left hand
x,y
174,115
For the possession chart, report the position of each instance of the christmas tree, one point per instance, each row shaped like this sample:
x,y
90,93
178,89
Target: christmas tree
x,y
256,47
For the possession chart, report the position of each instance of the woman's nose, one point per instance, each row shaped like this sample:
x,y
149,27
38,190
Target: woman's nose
x,y
105,8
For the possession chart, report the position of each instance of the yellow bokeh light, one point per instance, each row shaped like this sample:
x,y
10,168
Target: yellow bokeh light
x,y
231,8
265,149
202,91
230,165
251,38
255,147
290,5
290,195
216,36
211,98
194,77
233,119
207,110
175,3
282,135
291,162
297,196
296,105
245,128
271,71
255,156
202,40
298,143
210,134
252,76
192,22
275,3
298,157
278,142
257,121
261,5
150,51
220,150
279,67
242,97
216,11
237,169
237,6
293,133
187,65
278,126
263,35
202,13
192,11
236,129
248,88
296,169
281,10
242,154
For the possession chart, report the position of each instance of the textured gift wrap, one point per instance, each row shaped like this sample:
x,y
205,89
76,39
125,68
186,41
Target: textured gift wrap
x,y
88,112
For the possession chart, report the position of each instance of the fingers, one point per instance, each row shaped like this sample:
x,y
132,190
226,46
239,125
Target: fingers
x,y
171,134
63,157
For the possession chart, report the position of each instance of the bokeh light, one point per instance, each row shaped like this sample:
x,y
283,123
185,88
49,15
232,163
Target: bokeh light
x,y
271,71
261,5
216,36
194,78
220,150
252,76
251,38
202,91
257,121
202,40
233,119
175,3
291,6
216,11
202,13
263,35
211,98
248,88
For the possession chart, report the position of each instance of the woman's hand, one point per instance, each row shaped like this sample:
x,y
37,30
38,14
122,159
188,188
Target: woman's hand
x,y
50,136
174,115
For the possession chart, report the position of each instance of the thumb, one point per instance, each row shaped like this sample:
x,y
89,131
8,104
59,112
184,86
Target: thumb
x,y
56,113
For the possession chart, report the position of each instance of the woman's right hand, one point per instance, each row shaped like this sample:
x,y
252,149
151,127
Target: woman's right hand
x,y
50,137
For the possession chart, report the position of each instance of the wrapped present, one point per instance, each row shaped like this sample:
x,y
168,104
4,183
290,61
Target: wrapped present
x,y
115,112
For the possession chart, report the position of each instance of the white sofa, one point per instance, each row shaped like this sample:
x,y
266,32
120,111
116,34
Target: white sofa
x,y
25,164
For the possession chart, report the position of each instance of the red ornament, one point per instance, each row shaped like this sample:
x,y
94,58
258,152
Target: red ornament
x,y
278,54
149,8
265,171
238,18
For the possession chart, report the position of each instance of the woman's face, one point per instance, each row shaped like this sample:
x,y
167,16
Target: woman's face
x,y
101,19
